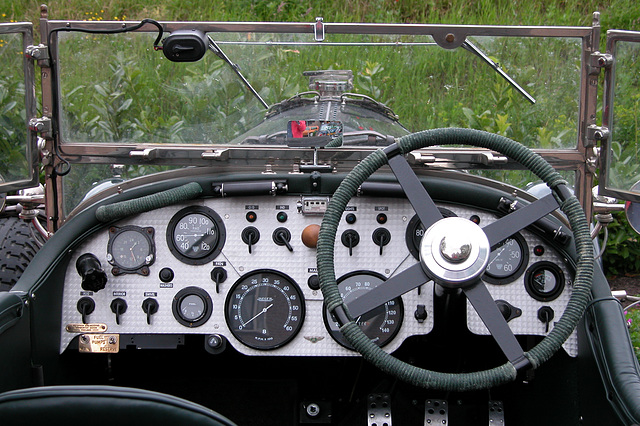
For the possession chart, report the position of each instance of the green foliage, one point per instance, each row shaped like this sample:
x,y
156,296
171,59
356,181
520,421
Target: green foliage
x,y
633,322
13,135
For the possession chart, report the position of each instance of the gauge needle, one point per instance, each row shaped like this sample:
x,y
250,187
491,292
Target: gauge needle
x,y
264,310
496,256
131,250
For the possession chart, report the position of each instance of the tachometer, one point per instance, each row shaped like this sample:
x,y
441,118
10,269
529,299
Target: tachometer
x,y
195,235
265,309
380,325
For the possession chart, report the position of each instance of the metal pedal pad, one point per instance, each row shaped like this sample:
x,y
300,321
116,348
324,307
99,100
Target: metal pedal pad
x,y
496,413
379,409
436,412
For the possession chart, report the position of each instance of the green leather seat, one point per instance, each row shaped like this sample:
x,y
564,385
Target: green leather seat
x,y
101,405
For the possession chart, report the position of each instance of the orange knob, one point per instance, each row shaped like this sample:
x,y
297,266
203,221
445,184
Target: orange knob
x,y
310,235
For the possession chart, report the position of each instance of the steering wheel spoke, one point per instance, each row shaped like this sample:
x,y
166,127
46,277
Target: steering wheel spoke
x,y
419,198
483,303
395,286
508,225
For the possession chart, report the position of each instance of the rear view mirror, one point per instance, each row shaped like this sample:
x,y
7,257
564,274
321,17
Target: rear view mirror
x,y
185,46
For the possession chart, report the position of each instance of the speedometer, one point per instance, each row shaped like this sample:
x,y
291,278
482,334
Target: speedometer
x,y
265,309
195,235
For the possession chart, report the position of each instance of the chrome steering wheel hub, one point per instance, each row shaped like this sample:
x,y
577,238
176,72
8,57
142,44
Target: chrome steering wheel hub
x,y
454,252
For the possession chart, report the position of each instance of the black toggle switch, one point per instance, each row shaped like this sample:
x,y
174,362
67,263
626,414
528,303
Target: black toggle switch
x,y
282,236
350,239
93,276
381,237
149,307
86,306
545,315
420,314
118,307
218,276
250,236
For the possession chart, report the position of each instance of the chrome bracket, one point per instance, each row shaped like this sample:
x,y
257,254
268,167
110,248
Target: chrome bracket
x,y
596,133
318,29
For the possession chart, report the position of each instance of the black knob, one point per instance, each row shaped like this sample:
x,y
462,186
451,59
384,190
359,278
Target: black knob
x,y
250,236
118,307
313,282
86,306
93,276
507,310
350,239
166,275
282,236
218,276
381,237
149,307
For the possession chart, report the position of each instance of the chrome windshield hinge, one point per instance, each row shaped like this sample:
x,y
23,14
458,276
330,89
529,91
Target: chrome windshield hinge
x,y
600,60
40,125
37,53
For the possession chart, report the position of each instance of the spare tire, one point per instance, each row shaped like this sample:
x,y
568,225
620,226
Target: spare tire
x,y
17,248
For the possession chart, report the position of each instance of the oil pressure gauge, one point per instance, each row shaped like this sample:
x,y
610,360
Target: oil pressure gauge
x,y
195,235
508,261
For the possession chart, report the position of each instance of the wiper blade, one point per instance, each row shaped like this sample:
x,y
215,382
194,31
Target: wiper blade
x,y
467,45
213,46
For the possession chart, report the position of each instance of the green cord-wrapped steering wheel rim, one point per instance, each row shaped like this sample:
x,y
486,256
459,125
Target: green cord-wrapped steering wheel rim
x,y
458,381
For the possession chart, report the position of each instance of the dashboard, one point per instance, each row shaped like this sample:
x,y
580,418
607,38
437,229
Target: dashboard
x,y
242,272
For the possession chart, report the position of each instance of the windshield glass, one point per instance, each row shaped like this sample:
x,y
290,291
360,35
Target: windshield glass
x,y
117,89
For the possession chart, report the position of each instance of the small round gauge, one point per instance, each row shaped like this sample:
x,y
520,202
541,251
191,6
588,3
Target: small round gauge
x,y
380,325
192,306
195,235
507,261
130,249
265,309
544,281
415,231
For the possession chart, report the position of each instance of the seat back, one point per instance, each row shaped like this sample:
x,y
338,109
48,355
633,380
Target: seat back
x,y
101,405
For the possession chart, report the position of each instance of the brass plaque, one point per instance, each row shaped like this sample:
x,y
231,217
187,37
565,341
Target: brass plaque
x,y
86,328
99,343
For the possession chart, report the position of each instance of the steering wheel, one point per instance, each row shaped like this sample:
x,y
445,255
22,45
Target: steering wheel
x,y
454,253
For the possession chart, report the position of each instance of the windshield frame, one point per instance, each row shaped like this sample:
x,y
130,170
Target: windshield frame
x,y
343,158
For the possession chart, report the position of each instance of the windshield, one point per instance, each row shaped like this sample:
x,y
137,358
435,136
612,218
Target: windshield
x,y
117,89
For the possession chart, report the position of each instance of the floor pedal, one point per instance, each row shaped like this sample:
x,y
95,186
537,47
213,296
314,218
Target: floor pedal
x,y
496,413
379,409
436,412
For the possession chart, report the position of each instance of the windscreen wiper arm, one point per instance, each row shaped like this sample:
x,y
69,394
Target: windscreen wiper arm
x,y
467,45
220,54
